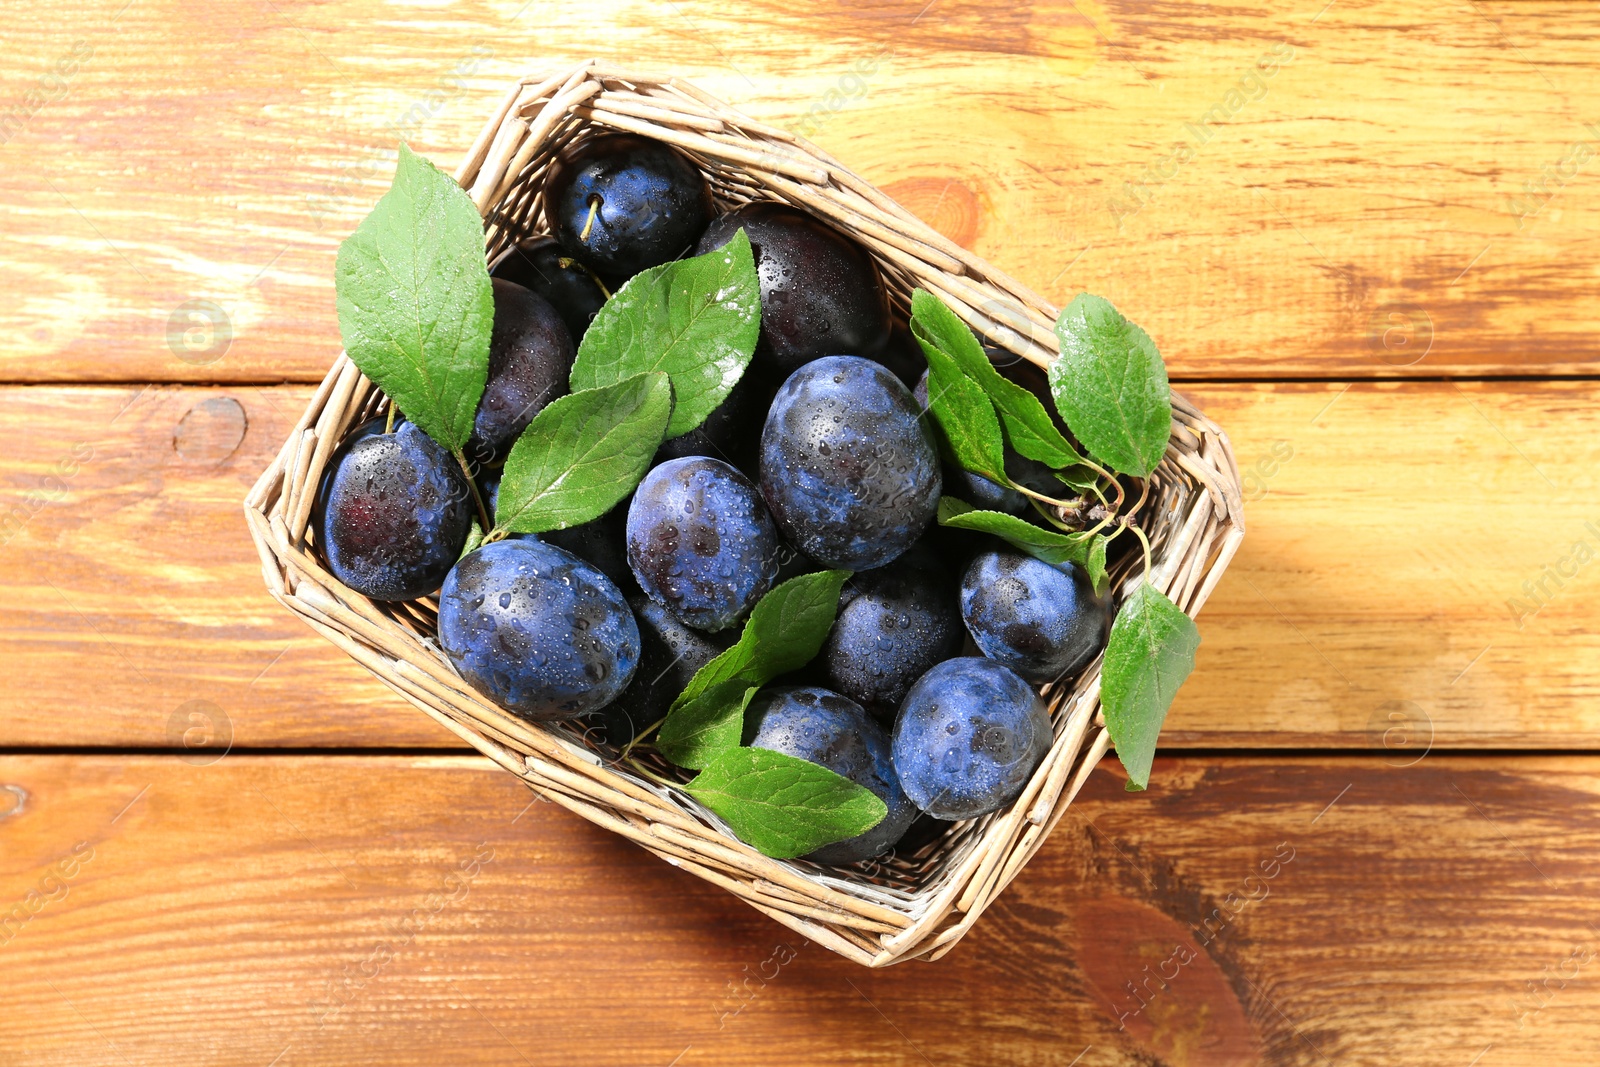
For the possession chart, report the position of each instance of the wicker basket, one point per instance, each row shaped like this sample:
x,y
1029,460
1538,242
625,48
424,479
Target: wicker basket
x,y
897,908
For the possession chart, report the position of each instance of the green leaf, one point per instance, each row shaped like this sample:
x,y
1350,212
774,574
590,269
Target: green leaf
x,y
966,416
1095,565
709,725
582,453
474,541
695,319
1081,479
1029,427
1149,654
785,631
415,303
784,806
1052,546
1111,386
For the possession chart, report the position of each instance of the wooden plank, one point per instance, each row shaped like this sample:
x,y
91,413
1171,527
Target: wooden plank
x,y
403,911
1416,570
1378,599
179,174
134,597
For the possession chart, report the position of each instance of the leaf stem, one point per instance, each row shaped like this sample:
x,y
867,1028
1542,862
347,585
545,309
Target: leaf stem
x,y
1102,524
1050,516
646,732
477,498
654,777
1145,541
1126,521
1025,491
388,423
1144,493
1108,476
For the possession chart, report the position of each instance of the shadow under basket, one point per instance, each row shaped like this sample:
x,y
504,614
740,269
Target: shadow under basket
x,y
910,906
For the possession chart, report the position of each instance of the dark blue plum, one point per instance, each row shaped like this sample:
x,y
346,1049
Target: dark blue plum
x,y
530,357
1036,476
955,548
848,466
701,542
537,630
821,294
894,624
968,737
619,203
392,513
670,655
832,731
568,286
1041,620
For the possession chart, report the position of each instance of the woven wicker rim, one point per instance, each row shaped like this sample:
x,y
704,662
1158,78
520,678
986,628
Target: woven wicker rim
x,y
877,913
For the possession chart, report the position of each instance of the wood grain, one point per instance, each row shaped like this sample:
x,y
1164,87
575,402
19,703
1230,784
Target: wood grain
x,y
1380,595
135,608
1389,527
182,173
1397,196
387,910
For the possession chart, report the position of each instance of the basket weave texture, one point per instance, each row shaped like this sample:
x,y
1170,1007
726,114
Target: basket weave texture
x,y
899,907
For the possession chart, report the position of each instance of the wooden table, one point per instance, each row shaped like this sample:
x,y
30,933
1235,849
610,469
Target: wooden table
x,y
1364,234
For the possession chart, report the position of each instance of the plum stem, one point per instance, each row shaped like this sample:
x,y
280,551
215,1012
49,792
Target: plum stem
x,y
568,263
388,423
594,209
477,498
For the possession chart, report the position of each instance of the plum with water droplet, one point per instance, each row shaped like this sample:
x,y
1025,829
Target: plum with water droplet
x,y
821,294
848,465
620,203
833,731
530,357
968,737
540,264
894,624
1041,620
701,542
537,630
392,513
